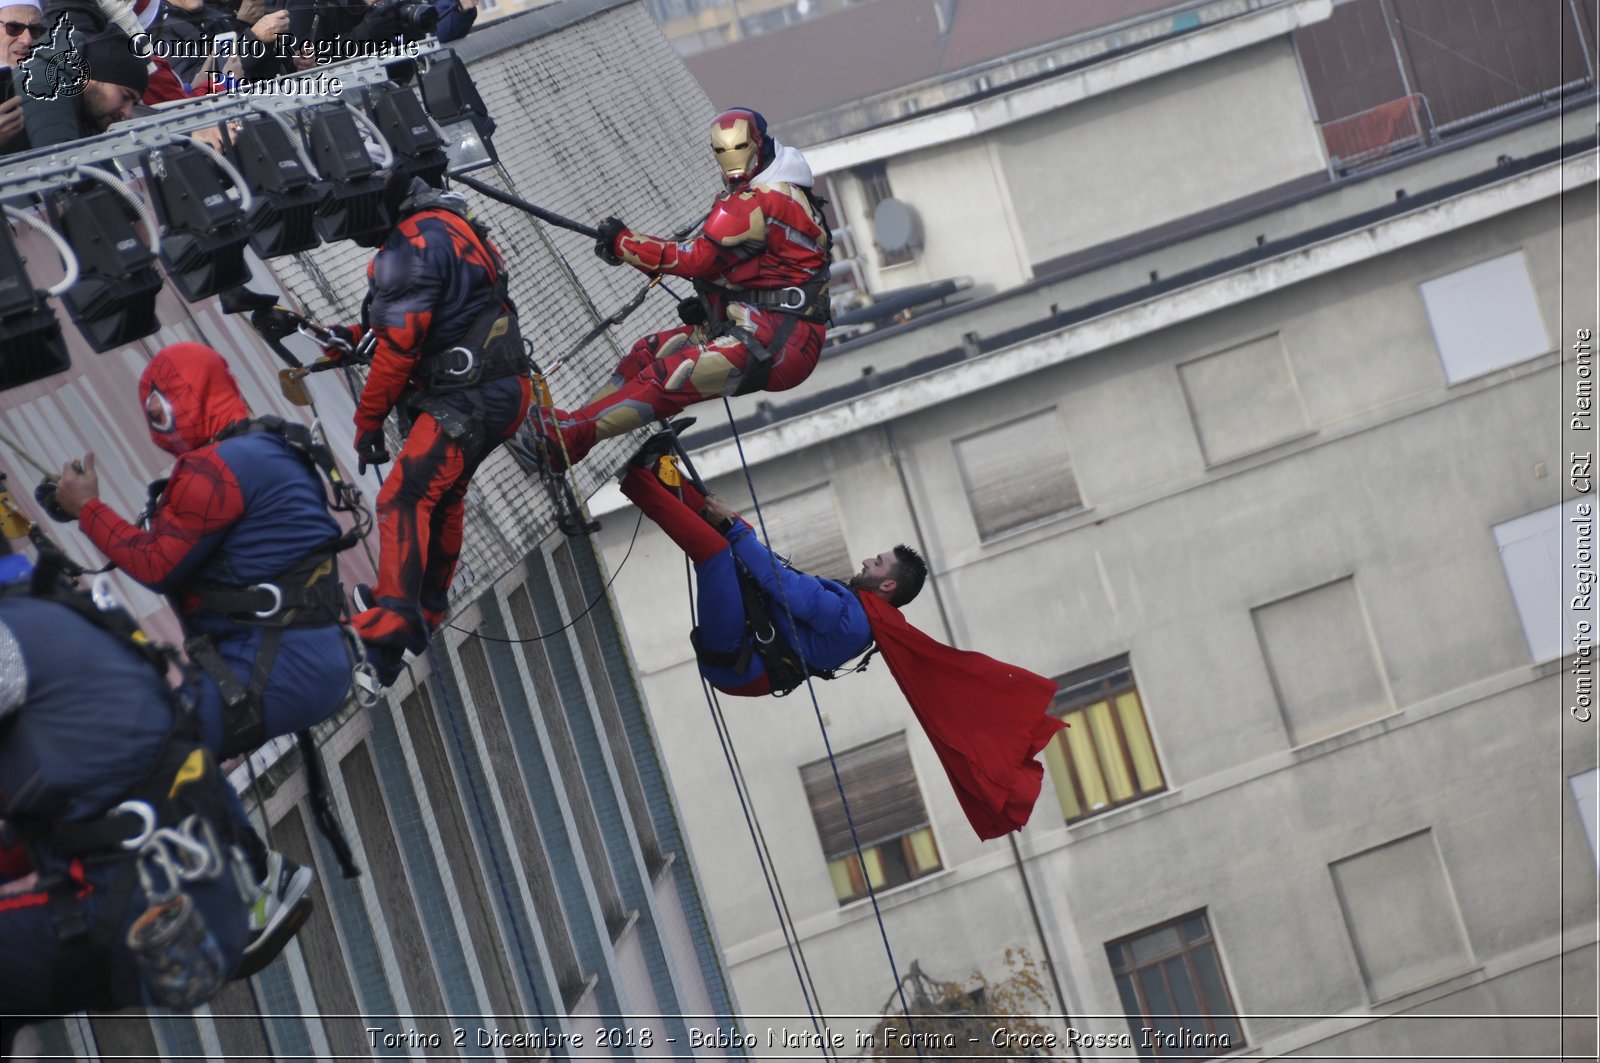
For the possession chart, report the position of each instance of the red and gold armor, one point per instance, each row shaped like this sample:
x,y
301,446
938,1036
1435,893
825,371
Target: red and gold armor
x,y
760,266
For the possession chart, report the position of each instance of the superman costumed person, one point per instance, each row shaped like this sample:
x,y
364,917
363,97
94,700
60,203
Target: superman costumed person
x,y
446,352
760,271
987,720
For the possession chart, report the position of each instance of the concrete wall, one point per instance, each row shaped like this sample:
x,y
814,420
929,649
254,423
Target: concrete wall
x,y
1160,150
1103,167
1378,479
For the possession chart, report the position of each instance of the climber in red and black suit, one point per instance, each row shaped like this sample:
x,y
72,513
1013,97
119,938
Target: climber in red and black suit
x,y
447,353
760,267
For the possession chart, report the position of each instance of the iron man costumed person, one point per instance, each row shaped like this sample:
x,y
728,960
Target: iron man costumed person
x,y
760,270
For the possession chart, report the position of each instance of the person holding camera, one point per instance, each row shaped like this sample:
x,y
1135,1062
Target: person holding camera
x,y
206,37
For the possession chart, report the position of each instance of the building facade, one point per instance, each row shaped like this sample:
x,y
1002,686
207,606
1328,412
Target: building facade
x,y
1269,471
526,889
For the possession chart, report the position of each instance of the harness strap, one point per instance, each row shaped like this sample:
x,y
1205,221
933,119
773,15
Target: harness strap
x,y
807,301
492,346
785,668
307,594
104,834
758,367
82,945
322,804
243,727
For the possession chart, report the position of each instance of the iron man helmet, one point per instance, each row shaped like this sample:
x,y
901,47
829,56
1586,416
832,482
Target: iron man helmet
x,y
739,141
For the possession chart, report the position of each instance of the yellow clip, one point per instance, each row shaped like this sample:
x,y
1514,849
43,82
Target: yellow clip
x,y
193,769
541,392
667,471
14,523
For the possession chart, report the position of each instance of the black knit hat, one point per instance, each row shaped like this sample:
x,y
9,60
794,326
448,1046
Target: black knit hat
x,y
111,60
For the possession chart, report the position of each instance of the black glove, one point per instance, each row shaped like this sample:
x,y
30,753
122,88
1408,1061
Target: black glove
x,y
344,334
606,245
275,321
372,449
152,498
45,495
692,312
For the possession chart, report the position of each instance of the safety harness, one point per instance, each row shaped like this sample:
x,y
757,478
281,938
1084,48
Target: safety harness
x,y
307,594
176,817
786,668
807,301
491,349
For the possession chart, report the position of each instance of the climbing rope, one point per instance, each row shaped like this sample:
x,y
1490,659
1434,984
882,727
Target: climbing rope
x,y
598,598
833,765
780,903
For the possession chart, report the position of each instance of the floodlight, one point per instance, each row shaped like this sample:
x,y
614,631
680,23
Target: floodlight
x,y
418,148
114,301
355,209
453,100
286,192
31,345
205,235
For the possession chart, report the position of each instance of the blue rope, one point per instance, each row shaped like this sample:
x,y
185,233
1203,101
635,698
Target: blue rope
x,y
758,839
833,765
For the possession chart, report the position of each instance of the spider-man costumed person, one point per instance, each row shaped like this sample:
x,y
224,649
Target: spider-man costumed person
x,y
760,270
240,538
446,351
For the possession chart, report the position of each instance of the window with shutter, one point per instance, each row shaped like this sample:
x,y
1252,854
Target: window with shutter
x,y
881,787
805,529
1018,473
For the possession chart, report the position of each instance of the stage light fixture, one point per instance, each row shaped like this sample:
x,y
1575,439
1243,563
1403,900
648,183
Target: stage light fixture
x,y
31,344
417,145
453,100
205,235
355,209
114,301
282,220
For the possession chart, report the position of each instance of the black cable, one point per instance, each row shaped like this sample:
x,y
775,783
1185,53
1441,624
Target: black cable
x,y
586,609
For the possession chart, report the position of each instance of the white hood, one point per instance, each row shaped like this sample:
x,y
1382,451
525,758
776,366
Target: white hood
x,y
788,166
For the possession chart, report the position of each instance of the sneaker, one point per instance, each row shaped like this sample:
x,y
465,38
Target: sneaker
x,y
286,883
264,948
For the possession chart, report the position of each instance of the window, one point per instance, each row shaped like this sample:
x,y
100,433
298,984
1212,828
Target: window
x,y
1017,474
805,528
1105,757
874,178
881,787
1323,661
1173,991
1530,550
1402,916
1485,317
1586,794
1243,399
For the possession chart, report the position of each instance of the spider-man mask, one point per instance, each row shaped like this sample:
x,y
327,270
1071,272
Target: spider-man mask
x,y
189,396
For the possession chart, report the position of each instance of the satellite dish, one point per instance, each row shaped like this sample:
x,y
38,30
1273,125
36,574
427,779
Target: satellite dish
x,y
896,226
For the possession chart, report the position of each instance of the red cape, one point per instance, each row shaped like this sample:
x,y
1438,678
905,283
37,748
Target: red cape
x,y
987,720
